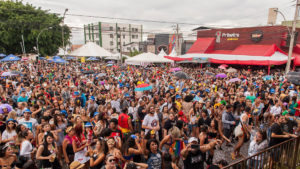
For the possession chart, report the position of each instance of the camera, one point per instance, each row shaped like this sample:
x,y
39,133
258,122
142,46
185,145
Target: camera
x,y
195,146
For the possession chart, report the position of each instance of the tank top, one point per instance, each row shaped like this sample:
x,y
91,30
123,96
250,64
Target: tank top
x,y
95,156
123,121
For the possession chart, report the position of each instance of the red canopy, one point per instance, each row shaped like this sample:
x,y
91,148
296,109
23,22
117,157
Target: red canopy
x,y
202,45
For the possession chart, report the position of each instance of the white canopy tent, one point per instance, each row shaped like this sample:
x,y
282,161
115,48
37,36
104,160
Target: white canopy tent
x,y
90,49
116,56
146,58
162,53
61,52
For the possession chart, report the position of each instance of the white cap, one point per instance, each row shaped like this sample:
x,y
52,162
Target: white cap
x,y
192,139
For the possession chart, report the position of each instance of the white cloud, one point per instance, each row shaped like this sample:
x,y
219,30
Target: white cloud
x,y
221,13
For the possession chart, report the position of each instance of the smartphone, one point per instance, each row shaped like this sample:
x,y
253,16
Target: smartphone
x,y
195,146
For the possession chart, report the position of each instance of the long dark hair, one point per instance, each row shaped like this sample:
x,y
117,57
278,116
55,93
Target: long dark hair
x,y
47,134
130,143
149,142
105,145
167,161
3,149
78,130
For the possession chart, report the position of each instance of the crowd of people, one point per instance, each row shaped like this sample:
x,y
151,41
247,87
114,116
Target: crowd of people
x,y
91,115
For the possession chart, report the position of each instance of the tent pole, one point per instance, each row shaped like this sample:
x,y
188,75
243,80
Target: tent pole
x,y
269,67
201,65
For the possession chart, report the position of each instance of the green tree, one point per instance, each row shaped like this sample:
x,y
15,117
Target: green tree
x,y
134,53
17,19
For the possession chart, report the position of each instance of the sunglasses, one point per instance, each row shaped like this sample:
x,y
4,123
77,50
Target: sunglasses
x,y
10,123
112,160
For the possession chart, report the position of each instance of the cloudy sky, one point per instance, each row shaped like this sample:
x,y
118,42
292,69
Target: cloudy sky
x,y
218,13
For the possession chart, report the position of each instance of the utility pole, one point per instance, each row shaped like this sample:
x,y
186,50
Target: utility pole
x,y
24,51
288,64
177,39
121,46
62,31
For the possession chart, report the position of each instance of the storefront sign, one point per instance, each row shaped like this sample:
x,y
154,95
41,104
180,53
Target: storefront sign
x,y
231,36
256,36
218,37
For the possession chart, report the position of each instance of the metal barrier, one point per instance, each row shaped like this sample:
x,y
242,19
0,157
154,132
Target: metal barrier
x,y
285,155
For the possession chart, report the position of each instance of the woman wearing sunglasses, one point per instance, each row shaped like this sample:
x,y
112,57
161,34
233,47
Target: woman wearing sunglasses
x,y
7,158
110,162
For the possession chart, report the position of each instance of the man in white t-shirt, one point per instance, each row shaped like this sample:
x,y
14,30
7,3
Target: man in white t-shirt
x,y
29,122
276,109
151,121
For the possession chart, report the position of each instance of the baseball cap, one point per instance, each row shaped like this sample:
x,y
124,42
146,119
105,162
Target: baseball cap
x,y
76,93
96,113
272,91
27,110
178,97
171,87
127,95
92,98
64,112
192,92
88,124
192,139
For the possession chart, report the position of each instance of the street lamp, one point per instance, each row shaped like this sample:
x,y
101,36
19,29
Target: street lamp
x,y
37,39
276,10
292,35
62,30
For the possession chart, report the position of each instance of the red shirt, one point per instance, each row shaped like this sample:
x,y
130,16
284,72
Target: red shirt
x,y
123,120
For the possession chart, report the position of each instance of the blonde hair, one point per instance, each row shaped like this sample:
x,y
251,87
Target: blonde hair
x,y
12,115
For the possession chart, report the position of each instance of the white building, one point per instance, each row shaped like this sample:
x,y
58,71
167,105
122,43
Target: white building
x,y
114,36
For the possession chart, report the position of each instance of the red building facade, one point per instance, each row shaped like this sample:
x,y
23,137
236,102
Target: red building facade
x,y
230,41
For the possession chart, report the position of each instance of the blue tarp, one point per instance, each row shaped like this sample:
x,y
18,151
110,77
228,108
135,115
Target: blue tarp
x,y
57,59
2,55
92,59
10,58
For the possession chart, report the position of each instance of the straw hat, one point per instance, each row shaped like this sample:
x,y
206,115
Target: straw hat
x,y
76,165
69,129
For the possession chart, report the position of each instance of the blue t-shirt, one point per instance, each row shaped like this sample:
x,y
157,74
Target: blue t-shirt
x,y
154,161
23,99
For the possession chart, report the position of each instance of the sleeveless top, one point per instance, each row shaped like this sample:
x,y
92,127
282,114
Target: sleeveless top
x,y
69,148
95,156
123,121
47,163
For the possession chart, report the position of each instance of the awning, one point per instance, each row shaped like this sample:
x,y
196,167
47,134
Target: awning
x,y
202,45
277,58
297,59
256,50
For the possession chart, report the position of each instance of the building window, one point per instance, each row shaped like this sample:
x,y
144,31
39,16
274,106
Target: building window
x,y
118,28
124,29
123,36
111,50
111,43
118,35
136,29
132,29
123,43
111,28
119,43
111,36
128,48
132,36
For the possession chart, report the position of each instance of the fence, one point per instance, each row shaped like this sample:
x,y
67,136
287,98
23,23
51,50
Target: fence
x,y
285,155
